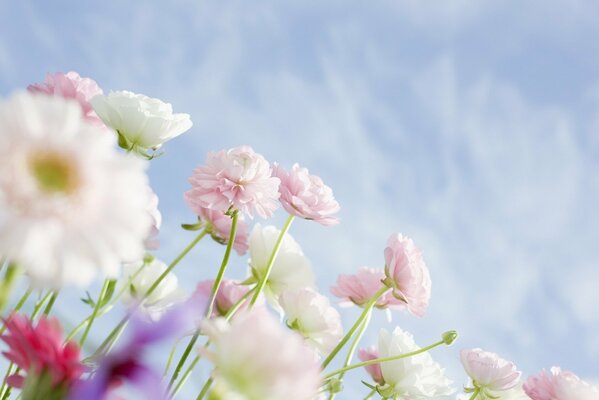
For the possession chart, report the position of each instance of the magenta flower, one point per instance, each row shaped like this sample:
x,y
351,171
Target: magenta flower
x,y
237,178
559,385
39,350
306,196
229,293
374,370
361,287
218,224
407,274
71,86
489,372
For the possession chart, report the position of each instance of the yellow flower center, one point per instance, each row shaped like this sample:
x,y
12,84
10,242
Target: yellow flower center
x,y
54,173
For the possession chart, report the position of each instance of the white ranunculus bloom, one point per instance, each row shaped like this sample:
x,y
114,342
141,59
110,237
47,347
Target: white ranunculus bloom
x,y
311,314
140,276
142,122
413,378
255,358
71,206
291,269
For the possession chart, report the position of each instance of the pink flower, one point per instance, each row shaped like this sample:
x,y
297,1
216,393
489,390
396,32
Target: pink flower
x,y
559,385
361,287
71,86
374,370
229,293
407,274
488,371
237,178
306,196
219,225
39,349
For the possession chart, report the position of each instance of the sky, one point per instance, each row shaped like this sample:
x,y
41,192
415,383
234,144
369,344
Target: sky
x,y
471,127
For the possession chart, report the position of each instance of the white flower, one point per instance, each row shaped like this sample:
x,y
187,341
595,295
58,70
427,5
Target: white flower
x,y
515,393
310,313
140,276
70,204
291,269
411,378
256,359
141,121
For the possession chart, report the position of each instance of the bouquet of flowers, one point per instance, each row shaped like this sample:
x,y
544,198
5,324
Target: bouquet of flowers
x,y
69,217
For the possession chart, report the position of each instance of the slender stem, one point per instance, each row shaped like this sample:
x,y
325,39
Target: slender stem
x,y
367,308
382,360
183,358
7,284
174,263
205,389
369,395
185,376
223,266
51,302
95,312
352,348
271,260
19,305
170,358
5,388
476,392
112,337
39,304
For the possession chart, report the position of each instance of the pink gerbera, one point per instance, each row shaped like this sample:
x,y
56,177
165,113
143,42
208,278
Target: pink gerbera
x,y
306,196
71,86
39,350
237,178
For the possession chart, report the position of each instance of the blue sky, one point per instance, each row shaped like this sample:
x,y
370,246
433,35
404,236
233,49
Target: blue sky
x,y
470,126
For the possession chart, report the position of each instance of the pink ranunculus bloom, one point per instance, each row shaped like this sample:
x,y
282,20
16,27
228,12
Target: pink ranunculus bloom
x,y
360,288
374,370
237,178
71,86
219,225
559,385
229,293
40,350
488,371
407,274
306,196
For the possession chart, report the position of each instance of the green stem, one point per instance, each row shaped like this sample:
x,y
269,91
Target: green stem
x,y
369,395
5,388
174,263
352,348
476,392
170,358
382,360
271,260
223,266
112,337
95,312
367,309
51,302
7,284
183,358
205,389
38,306
185,376
19,305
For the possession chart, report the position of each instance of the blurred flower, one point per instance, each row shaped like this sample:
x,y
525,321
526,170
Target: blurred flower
x,y
306,196
516,393
38,350
360,288
559,385
152,242
255,358
489,373
70,204
411,378
407,274
310,314
139,277
374,370
126,363
229,293
140,121
71,86
291,269
218,224
238,178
